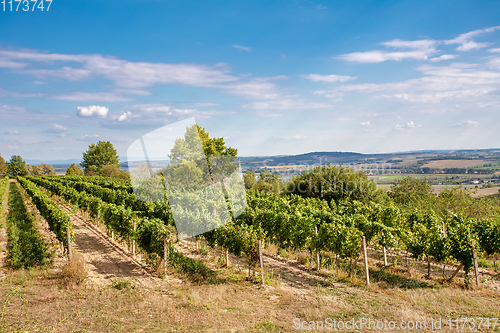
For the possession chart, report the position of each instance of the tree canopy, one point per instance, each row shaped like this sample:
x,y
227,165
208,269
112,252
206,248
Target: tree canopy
x,y
413,193
17,166
74,170
98,156
337,183
217,159
3,166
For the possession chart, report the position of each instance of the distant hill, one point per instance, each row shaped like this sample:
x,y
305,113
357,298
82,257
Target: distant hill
x,y
313,158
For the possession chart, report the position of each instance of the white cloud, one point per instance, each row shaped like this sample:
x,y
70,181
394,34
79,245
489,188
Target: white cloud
x,y
258,88
286,103
82,96
92,111
494,50
146,115
56,128
407,126
124,74
365,123
381,56
417,49
11,132
467,46
455,82
243,48
423,44
466,41
12,147
59,128
328,78
124,116
89,137
444,57
466,124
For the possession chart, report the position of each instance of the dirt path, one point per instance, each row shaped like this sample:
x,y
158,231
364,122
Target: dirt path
x,y
105,259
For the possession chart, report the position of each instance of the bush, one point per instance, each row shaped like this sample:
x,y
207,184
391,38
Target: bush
x,y
74,271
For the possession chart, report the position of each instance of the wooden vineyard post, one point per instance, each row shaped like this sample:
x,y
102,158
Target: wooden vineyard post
x,y
68,235
367,274
318,263
261,262
165,254
455,272
385,257
133,238
476,270
227,257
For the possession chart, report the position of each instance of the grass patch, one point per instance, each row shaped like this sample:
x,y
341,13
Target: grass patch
x,y
390,279
195,270
121,284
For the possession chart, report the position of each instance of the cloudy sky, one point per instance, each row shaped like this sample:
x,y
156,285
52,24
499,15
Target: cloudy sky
x,y
272,77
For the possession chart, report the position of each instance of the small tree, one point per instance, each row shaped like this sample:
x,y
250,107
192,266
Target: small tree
x,y
249,179
99,155
268,182
413,193
74,170
17,166
114,172
3,166
46,169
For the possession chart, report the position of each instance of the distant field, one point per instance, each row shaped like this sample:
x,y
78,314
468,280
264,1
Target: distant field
x,y
441,164
482,192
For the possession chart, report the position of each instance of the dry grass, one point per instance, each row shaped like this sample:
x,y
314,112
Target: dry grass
x,y
36,301
74,271
441,164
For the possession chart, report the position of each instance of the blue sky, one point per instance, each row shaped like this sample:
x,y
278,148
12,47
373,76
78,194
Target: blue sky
x,y
272,77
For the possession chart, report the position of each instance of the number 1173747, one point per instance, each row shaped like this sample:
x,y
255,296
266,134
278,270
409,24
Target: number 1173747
x,y
25,5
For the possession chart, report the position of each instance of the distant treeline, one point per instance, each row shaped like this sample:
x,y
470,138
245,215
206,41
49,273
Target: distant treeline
x,y
415,169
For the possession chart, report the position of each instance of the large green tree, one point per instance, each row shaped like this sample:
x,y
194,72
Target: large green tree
x,y
98,156
17,166
337,183
211,155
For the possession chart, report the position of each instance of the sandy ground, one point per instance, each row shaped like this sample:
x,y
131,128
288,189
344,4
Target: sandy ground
x,y
106,260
